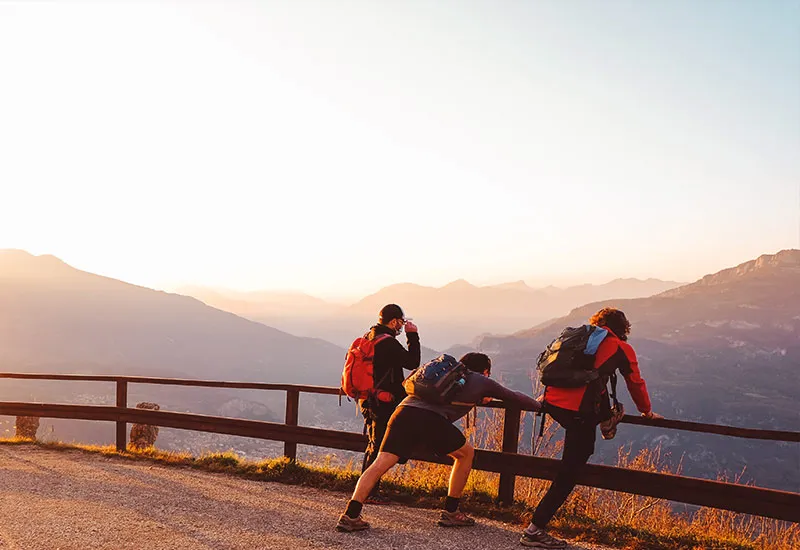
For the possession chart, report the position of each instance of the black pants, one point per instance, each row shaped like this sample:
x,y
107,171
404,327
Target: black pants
x,y
578,447
376,418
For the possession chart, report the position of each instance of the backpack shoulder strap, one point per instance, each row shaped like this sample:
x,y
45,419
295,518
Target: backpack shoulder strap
x,y
379,338
613,393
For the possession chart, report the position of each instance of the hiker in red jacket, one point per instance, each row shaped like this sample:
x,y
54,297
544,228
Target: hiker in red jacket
x,y
390,360
579,411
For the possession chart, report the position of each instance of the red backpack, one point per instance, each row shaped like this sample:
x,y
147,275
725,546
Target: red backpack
x,y
357,381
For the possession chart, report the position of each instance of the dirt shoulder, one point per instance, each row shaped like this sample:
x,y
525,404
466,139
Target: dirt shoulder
x,y
73,500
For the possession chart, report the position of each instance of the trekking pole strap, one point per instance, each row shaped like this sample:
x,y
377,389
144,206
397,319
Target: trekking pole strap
x,y
613,380
541,414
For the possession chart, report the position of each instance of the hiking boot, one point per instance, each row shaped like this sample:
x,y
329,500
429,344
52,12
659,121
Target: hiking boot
x,y
608,428
540,539
455,519
348,525
378,499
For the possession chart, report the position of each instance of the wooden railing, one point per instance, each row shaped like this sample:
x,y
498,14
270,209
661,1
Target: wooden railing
x,y
771,503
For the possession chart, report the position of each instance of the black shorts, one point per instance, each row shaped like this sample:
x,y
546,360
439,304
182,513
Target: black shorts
x,y
412,428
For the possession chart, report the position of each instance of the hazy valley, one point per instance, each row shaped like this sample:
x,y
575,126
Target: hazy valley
x,y
454,314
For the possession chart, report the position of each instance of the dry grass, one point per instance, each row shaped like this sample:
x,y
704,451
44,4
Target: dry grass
x,y
635,521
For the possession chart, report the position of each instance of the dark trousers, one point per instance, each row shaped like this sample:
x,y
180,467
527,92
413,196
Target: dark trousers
x,y
376,418
578,447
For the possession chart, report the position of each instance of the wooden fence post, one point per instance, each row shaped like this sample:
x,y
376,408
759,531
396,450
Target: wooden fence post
x,y
122,401
292,407
505,492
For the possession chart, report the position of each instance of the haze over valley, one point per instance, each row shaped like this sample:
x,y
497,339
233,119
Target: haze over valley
x,y
456,313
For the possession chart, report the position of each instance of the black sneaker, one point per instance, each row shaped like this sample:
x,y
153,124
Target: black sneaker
x,y
347,524
378,499
540,539
455,519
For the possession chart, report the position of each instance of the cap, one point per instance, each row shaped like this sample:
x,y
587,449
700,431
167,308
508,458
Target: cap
x,y
389,312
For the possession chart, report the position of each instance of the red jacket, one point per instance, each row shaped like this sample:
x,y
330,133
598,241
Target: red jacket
x,y
612,354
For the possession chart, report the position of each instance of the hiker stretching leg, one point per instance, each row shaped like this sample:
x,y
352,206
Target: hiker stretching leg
x,y
418,424
579,411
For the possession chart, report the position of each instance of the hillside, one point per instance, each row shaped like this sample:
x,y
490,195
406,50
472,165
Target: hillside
x,y
55,318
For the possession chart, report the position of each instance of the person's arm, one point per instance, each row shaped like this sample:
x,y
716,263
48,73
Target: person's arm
x,y
636,384
397,356
414,354
498,391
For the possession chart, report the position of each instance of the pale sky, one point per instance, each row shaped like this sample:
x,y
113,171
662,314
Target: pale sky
x,y
338,147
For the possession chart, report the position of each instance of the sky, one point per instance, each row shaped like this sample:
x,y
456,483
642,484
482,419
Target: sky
x,y
339,147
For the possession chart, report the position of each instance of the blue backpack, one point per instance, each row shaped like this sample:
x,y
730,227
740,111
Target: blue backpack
x,y
437,381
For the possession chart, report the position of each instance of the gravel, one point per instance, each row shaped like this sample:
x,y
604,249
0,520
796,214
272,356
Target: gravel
x,y
59,500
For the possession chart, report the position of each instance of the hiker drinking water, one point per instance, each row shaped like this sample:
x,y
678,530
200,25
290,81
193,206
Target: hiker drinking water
x,y
373,374
440,392
574,369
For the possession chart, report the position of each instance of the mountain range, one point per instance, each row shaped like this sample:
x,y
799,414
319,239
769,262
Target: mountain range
x,y
456,313
55,316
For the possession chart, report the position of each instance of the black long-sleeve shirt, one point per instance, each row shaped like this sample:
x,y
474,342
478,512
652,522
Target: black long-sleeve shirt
x,y
391,358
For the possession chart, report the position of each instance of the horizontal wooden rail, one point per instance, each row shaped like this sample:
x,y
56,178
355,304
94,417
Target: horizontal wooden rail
x,y
749,433
321,437
717,429
172,382
738,498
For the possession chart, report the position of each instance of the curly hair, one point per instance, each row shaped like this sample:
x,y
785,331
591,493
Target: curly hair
x,y
614,320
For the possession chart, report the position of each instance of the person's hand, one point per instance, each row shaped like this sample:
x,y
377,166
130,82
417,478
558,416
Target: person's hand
x,y
411,327
652,415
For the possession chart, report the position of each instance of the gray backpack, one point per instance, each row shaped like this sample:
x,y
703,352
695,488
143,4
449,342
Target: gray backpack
x,y
437,381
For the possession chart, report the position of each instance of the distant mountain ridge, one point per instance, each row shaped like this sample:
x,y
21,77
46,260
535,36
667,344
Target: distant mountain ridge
x,y
460,311
455,313
785,263
262,302
758,300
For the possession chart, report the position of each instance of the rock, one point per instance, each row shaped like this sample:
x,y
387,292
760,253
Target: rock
x,y
26,426
143,435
